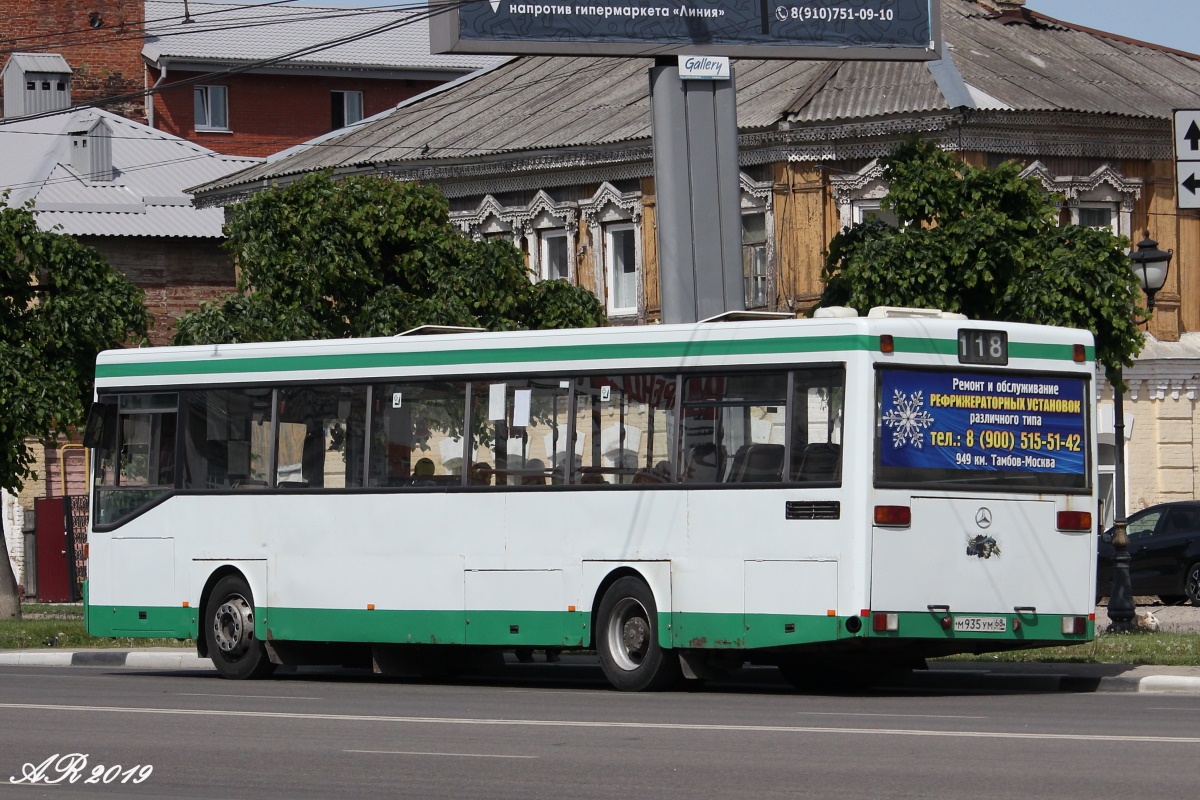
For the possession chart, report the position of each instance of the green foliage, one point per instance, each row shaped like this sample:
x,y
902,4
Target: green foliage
x,y
986,243
60,305
369,256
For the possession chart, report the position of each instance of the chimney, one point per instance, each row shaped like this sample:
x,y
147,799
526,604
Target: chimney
x,y
91,150
35,83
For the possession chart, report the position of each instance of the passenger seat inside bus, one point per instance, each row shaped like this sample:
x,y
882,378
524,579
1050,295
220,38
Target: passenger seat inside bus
x,y
821,461
757,463
705,463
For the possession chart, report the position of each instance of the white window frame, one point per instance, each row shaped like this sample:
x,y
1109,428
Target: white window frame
x,y
208,98
759,248
863,209
610,231
1113,209
544,238
347,121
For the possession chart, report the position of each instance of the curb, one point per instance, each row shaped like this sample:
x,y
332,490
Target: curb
x,y
130,659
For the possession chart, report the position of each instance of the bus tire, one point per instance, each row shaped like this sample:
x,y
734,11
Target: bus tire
x,y
229,631
627,640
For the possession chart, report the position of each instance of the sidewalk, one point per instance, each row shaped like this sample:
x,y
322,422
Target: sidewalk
x,y
943,675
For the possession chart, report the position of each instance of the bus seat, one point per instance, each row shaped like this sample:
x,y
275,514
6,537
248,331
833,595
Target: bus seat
x,y
760,463
822,461
705,463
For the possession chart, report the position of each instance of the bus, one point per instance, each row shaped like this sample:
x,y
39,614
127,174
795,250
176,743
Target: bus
x,y
835,495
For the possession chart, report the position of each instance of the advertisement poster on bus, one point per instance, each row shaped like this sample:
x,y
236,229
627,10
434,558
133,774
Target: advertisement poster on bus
x,y
983,422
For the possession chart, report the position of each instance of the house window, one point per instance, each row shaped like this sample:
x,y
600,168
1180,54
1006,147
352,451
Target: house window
x,y
872,209
346,107
212,108
554,264
754,259
1098,215
621,265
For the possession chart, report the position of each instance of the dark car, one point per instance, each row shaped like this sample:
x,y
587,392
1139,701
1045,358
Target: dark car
x,y
1164,553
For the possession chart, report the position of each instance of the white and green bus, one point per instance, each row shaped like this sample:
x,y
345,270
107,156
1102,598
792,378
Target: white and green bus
x,y
821,494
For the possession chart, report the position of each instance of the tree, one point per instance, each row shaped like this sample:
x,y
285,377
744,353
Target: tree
x,y
986,243
370,256
60,305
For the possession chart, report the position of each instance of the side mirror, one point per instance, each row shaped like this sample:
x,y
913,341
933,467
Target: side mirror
x,y
1107,536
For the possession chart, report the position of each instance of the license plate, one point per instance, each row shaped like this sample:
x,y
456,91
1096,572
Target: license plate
x,y
981,624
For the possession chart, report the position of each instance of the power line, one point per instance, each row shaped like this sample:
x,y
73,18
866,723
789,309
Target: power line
x,y
140,29
234,70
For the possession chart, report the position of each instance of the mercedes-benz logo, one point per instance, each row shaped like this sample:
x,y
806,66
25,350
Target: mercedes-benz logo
x,y
983,518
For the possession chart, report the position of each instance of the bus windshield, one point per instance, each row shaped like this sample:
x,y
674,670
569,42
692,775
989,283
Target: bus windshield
x,y
984,430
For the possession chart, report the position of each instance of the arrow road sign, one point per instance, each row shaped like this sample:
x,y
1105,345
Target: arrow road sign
x,y
1187,183
1187,157
1187,135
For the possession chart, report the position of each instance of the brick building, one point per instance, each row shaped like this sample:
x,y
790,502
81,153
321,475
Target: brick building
x,y
250,80
100,39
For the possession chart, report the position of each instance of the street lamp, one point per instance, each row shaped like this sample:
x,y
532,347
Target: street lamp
x,y
1150,265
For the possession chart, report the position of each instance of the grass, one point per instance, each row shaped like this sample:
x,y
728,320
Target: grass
x,y
1164,649
55,625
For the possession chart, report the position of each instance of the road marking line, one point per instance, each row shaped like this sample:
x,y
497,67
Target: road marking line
x,y
414,753
247,696
661,726
875,714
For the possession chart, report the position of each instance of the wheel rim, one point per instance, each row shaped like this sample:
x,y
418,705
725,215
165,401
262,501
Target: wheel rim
x,y
1192,586
628,634
233,627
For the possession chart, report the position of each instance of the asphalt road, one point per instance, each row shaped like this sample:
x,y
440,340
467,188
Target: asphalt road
x,y
567,736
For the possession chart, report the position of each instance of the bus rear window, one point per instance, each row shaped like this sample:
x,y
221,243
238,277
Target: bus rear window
x,y
1000,430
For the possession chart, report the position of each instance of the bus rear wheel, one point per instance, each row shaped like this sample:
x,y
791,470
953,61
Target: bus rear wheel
x,y
229,631
627,641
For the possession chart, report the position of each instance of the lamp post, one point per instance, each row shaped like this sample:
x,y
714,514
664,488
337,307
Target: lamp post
x,y
1150,265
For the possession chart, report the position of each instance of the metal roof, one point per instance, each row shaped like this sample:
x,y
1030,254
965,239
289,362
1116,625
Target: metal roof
x,y
363,38
1026,63
38,62
147,196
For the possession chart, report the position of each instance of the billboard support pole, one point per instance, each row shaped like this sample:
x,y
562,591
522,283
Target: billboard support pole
x,y
698,194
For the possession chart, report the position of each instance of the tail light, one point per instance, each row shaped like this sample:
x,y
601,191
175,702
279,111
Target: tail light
x,y
894,516
882,621
1074,626
1074,520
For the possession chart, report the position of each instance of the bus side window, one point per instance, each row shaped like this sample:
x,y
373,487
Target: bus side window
x,y
623,427
227,439
517,428
321,437
818,400
417,434
733,428
135,454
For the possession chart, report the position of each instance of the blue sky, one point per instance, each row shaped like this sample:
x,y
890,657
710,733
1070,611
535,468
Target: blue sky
x,y
1174,23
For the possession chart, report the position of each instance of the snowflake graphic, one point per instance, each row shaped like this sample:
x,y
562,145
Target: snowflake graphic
x,y
908,419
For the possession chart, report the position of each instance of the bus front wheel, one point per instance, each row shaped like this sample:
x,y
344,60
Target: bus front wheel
x,y
630,655
229,631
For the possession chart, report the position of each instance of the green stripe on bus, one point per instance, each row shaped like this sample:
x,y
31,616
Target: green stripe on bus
x,y
705,631
631,351
160,622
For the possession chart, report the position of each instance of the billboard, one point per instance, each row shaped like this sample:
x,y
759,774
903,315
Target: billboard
x,y
948,423
892,30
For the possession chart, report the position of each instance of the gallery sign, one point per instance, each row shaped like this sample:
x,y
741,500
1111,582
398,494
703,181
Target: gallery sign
x,y
892,30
